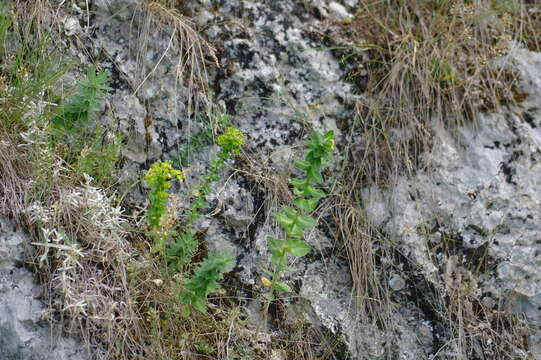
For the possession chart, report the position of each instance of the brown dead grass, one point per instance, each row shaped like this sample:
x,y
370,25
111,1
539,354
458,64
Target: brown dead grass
x,y
420,64
428,62
478,330
189,47
12,178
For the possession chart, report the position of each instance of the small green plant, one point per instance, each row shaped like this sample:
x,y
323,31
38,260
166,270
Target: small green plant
x,y
205,348
231,141
444,74
99,156
83,107
89,149
29,68
181,252
295,220
203,137
158,178
205,281
185,246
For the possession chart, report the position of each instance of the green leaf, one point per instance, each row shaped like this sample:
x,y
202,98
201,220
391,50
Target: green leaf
x,y
316,193
284,219
276,246
298,247
306,205
314,175
302,164
200,304
298,183
306,221
280,286
289,212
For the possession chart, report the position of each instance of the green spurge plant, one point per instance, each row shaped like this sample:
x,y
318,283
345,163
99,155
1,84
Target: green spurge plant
x,y
90,149
185,246
205,281
295,220
84,106
158,178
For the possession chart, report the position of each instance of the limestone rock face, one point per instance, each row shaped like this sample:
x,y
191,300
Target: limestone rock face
x,y
278,79
25,334
483,190
274,78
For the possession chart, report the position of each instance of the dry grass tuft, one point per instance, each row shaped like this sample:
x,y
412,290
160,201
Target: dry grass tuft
x,y
364,244
273,185
477,329
428,62
83,256
12,178
191,50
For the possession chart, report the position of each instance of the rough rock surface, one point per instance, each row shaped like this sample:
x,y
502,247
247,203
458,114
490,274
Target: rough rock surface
x,y
275,78
277,81
484,188
24,332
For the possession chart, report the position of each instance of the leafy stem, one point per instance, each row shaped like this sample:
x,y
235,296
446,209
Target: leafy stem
x,y
158,178
185,245
296,220
212,269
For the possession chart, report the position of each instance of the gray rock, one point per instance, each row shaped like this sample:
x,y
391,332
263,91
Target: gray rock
x,y
339,11
483,185
25,333
71,26
396,282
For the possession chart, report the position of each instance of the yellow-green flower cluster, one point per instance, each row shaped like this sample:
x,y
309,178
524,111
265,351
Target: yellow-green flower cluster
x,y
158,179
231,141
162,171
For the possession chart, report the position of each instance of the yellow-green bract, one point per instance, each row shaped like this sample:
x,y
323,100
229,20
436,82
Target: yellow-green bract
x,y
158,179
231,141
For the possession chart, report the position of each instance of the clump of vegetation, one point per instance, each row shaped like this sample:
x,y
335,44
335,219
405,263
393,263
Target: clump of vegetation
x,y
99,275
296,220
195,143
197,288
203,137
29,67
205,281
420,62
185,245
159,177
85,145
84,107
80,248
